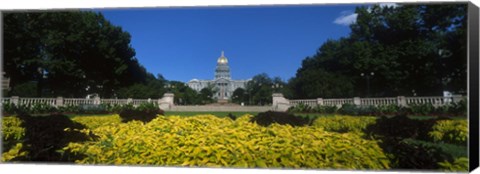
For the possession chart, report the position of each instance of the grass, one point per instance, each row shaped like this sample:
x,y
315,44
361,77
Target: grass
x,y
218,114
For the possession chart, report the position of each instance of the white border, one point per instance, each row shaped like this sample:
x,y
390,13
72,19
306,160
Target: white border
x,y
87,4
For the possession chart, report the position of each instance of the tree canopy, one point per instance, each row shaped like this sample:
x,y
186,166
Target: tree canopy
x,y
69,54
419,48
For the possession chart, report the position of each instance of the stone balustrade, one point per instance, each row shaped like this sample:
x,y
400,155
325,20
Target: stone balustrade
x,y
336,102
309,102
165,102
279,103
436,101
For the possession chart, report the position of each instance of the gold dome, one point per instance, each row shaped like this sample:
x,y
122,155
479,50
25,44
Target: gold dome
x,y
222,59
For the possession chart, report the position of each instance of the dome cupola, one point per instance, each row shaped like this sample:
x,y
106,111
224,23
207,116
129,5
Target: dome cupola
x,y
222,59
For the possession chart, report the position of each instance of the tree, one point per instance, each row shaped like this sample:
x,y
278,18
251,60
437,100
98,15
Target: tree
x,y
67,53
408,47
259,89
206,95
153,88
239,96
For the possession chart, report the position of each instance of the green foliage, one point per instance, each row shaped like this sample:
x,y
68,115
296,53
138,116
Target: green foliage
x,y
402,127
66,52
459,165
42,108
12,132
206,95
144,112
153,88
270,117
93,122
327,84
27,89
451,109
70,108
450,131
415,154
343,124
8,108
421,109
458,108
209,141
300,108
43,136
348,109
391,109
36,108
240,96
259,90
402,46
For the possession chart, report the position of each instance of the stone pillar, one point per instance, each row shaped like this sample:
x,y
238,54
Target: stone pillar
x,y
168,97
402,101
59,101
166,102
96,100
457,98
15,100
279,103
320,101
357,101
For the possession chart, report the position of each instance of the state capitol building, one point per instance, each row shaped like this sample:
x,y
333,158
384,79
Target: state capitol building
x,y
222,84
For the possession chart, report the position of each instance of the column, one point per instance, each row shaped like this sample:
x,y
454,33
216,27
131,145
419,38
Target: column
x,y
402,101
357,101
59,101
320,101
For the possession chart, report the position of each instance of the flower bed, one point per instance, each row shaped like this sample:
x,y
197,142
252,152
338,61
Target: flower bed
x,y
209,141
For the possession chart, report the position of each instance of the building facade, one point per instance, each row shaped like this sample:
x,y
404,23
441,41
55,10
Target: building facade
x,y
222,84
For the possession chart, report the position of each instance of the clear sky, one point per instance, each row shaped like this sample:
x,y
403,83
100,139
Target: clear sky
x,y
185,43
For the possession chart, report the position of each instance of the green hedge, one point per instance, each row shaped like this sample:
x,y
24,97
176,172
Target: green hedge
x,y
452,109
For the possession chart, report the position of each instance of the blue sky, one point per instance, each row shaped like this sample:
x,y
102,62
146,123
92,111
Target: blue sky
x,y
184,43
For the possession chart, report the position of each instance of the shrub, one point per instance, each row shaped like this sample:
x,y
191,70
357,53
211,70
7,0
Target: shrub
x,y
459,108
12,133
70,108
421,109
450,131
269,117
402,127
145,112
348,109
459,164
113,108
8,108
414,154
344,124
325,109
300,108
92,109
390,109
92,122
231,116
44,137
42,108
209,141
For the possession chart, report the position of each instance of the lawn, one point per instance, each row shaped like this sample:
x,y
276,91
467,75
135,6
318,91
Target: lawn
x,y
218,114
